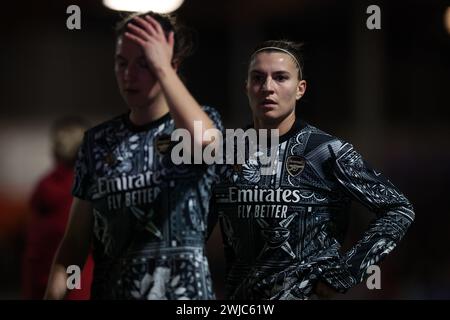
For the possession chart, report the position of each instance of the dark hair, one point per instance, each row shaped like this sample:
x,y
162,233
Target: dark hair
x,y
183,45
294,48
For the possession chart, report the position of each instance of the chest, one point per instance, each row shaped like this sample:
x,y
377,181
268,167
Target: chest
x,y
287,166
125,154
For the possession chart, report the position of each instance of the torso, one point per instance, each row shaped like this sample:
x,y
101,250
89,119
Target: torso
x,y
277,224
149,214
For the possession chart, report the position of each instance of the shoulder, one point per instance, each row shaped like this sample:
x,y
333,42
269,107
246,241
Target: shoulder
x,y
106,127
214,115
210,111
318,140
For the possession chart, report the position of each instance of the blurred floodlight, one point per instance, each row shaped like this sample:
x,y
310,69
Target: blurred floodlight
x,y
160,6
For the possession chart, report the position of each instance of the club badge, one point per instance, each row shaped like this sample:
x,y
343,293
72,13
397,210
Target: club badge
x,y
295,165
162,144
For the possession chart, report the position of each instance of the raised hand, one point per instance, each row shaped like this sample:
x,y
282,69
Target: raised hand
x,y
148,34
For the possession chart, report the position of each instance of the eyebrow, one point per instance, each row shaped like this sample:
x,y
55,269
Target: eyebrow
x,y
120,57
280,72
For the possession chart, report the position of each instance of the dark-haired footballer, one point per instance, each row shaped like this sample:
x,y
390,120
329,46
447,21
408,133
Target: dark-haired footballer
x,y
283,231
144,215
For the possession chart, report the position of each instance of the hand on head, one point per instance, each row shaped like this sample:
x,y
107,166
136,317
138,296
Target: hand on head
x,y
149,35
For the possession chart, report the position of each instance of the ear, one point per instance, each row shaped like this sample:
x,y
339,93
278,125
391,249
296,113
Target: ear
x,y
301,89
245,86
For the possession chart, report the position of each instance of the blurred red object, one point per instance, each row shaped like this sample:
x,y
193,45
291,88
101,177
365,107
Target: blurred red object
x,y
50,204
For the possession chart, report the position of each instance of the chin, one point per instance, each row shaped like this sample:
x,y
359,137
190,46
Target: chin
x,y
270,116
135,104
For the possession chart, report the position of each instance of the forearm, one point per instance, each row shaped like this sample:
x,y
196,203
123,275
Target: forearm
x,y
394,215
380,238
57,283
70,252
394,211
183,107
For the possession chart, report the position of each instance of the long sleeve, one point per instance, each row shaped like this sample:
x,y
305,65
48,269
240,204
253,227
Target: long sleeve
x,y
224,174
394,215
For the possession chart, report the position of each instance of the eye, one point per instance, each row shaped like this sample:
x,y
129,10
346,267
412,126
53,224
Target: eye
x,y
281,78
257,78
121,63
143,64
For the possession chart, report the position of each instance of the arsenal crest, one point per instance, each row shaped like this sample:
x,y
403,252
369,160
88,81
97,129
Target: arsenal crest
x,y
162,144
295,165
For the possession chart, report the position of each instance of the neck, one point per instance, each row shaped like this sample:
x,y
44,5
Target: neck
x,y
283,125
151,112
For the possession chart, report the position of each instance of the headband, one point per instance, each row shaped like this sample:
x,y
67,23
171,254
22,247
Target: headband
x,y
285,51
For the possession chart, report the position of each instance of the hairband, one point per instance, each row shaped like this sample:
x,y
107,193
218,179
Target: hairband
x,y
285,51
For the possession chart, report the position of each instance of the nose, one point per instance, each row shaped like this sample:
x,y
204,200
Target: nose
x,y
130,73
267,84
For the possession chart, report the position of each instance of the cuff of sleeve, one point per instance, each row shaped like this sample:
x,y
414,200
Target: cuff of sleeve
x,y
338,277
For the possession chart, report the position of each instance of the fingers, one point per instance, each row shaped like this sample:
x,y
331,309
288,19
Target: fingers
x,y
150,26
134,38
171,39
148,33
141,29
145,25
138,32
155,24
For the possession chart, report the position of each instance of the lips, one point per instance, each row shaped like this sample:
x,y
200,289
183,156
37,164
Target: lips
x,y
131,90
268,103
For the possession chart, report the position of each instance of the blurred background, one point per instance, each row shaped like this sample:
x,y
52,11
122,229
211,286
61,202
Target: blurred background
x,y
386,91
